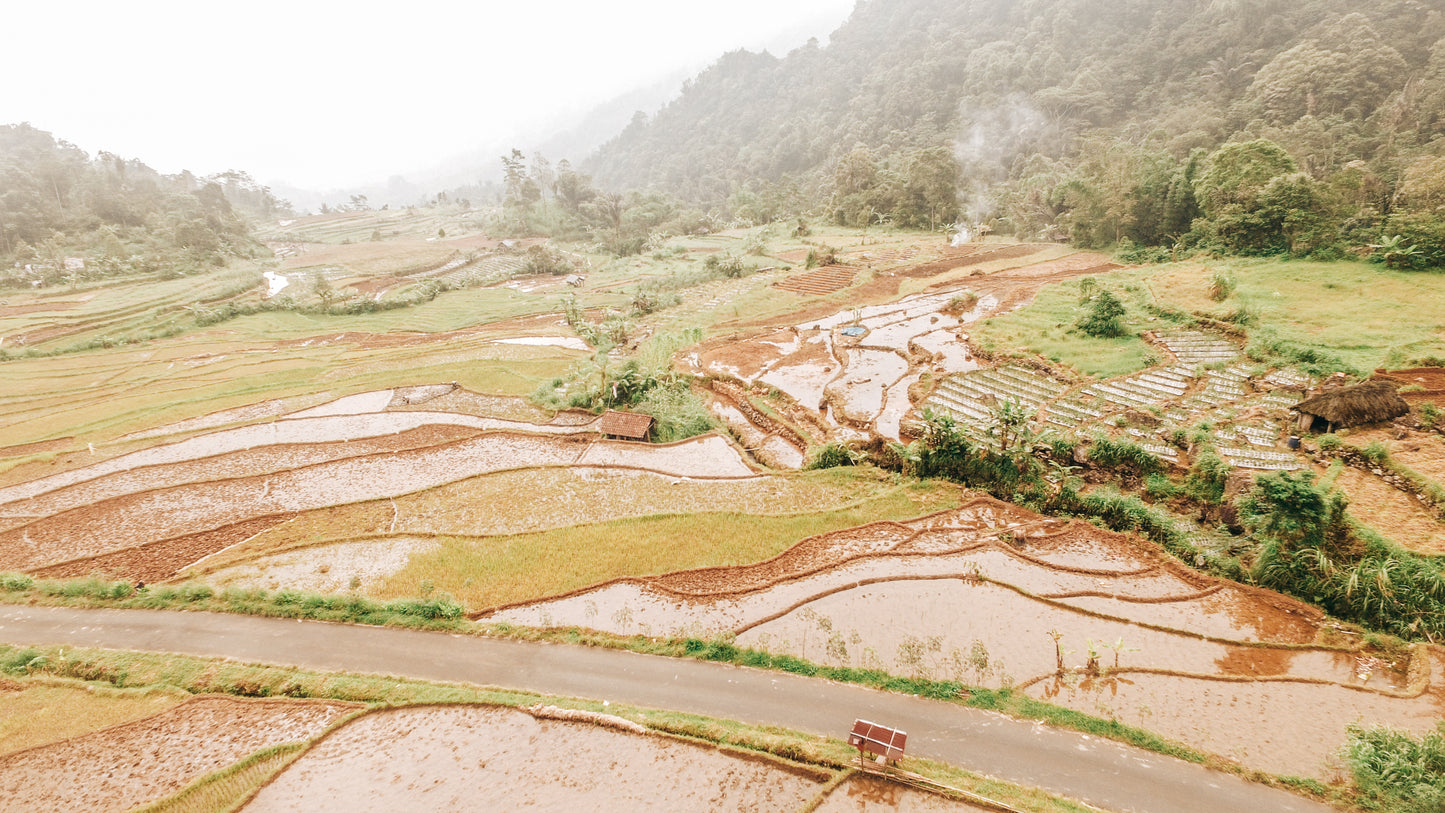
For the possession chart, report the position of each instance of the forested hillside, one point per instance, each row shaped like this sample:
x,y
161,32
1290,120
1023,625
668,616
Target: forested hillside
x,y
67,216
1097,120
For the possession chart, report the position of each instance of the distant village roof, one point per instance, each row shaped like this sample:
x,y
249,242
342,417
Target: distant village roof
x,y
629,425
1371,402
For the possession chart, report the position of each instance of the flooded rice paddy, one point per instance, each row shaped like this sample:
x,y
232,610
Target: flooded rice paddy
x,y
991,595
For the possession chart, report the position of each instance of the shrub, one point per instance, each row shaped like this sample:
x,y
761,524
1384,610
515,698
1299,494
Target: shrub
x,y
1134,254
728,265
962,303
1207,477
543,260
831,456
15,582
1375,452
439,607
1429,416
1221,285
1105,319
1124,456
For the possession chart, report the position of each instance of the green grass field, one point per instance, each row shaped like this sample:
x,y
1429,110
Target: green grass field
x,y
1366,315
488,571
1047,327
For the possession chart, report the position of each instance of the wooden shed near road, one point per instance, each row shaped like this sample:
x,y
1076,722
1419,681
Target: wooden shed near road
x,y
625,425
1374,401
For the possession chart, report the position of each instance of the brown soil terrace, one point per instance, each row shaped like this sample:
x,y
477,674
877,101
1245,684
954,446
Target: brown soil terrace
x,y
179,513
829,279
863,385
126,766
148,514
973,593
470,758
39,447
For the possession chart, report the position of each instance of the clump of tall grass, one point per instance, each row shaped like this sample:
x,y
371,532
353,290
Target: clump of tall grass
x,y
1124,456
1394,771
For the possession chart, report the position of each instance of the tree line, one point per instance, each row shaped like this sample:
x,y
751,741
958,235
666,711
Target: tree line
x,y
1245,126
116,216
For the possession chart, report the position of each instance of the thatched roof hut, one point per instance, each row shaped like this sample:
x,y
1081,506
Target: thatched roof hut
x,y
1373,401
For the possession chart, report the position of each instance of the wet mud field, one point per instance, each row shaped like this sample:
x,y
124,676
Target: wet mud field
x,y
989,594
149,514
133,764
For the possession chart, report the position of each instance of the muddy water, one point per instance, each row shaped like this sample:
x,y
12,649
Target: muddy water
x,y
897,335
878,315
936,628
1011,627
337,428
1284,728
1085,551
706,456
1228,613
804,374
800,361
267,459
359,404
127,766
770,450
472,758
781,454
569,342
895,406
858,394
950,352
134,519
867,794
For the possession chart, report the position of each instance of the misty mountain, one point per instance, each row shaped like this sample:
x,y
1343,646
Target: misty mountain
x,y
67,215
1026,95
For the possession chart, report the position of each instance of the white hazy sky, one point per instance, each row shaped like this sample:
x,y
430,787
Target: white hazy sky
x,y
320,94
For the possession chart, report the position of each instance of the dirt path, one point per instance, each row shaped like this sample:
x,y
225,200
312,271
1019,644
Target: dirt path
x,y
1101,772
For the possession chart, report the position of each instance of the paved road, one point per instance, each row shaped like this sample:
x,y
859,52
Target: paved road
x,y
1101,772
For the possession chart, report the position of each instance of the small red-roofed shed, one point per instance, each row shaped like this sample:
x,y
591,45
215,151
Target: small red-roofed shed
x,y
625,425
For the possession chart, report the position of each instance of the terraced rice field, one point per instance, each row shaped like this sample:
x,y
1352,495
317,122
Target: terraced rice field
x,y
471,758
133,764
150,513
1246,411
1140,637
445,758
826,280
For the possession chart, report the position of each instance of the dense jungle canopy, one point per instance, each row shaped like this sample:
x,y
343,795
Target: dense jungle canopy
x,y
1253,126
